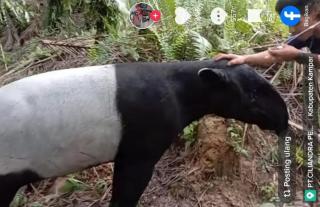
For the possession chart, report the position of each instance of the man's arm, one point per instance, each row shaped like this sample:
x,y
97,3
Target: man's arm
x,y
304,58
289,53
259,59
271,56
262,59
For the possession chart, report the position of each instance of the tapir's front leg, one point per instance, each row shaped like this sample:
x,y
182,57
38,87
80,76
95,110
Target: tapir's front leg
x,y
134,166
131,177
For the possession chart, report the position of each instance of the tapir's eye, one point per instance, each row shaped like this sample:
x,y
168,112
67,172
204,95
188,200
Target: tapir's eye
x,y
253,96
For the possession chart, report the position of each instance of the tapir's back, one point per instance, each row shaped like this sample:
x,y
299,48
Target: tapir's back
x,y
70,114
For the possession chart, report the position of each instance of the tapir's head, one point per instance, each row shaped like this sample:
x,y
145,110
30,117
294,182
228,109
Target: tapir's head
x,y
239,92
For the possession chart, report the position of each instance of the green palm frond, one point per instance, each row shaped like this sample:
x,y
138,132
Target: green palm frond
x,y
14,9
202,46
99,14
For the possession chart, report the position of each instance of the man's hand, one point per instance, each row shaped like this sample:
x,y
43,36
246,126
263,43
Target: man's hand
x,y
263,59
283,53
233,59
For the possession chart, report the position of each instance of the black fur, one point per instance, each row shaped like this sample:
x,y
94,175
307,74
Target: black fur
x,y
156,100
10,184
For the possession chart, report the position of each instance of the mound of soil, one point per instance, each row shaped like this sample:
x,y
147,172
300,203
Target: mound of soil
x,y
206,175
214,153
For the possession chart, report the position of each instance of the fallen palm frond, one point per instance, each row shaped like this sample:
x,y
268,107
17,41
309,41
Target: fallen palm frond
x,y
46,55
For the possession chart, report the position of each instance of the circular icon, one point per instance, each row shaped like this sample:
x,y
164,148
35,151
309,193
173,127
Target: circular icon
x,y
218,16
309,195
290,16
182,15
155,15
140,15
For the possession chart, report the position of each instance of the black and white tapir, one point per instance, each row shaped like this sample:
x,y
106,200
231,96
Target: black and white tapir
x,y
65,121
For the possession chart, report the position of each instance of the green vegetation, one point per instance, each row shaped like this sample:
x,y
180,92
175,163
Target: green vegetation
x,y
189,134
71,185
197,39
99,14
14,12
235,135
100,186
19,200
268,192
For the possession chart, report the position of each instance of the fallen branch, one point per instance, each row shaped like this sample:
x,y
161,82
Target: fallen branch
x,y
300,127
297,126
78,44
22,68
278,73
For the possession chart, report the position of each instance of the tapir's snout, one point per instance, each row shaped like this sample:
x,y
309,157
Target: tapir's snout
x,y
259,102
282,126
278,124
281,116
282,133
276,117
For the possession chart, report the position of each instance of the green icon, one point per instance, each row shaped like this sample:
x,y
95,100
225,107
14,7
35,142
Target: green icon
x,y
310,195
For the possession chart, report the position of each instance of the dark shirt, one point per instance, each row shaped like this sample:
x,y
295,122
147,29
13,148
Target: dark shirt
x,y
312,43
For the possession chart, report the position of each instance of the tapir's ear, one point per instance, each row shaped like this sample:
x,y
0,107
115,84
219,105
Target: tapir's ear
x,y
212,75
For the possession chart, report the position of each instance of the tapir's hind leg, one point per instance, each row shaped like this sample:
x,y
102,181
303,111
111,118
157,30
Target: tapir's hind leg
x,y
10,184
6,195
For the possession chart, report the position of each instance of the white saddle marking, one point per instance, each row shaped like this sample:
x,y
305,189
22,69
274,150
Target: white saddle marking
x,y
59,122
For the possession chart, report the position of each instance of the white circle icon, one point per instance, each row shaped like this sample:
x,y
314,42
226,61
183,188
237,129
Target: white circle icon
x,y
182,15
218,16
309,195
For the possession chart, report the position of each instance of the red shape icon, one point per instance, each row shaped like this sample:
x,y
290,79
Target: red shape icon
x,y
155,15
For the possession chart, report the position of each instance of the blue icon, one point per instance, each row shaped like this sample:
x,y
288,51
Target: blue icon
x,y
290,16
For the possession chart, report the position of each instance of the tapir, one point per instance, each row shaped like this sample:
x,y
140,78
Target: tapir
x,y
64,121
